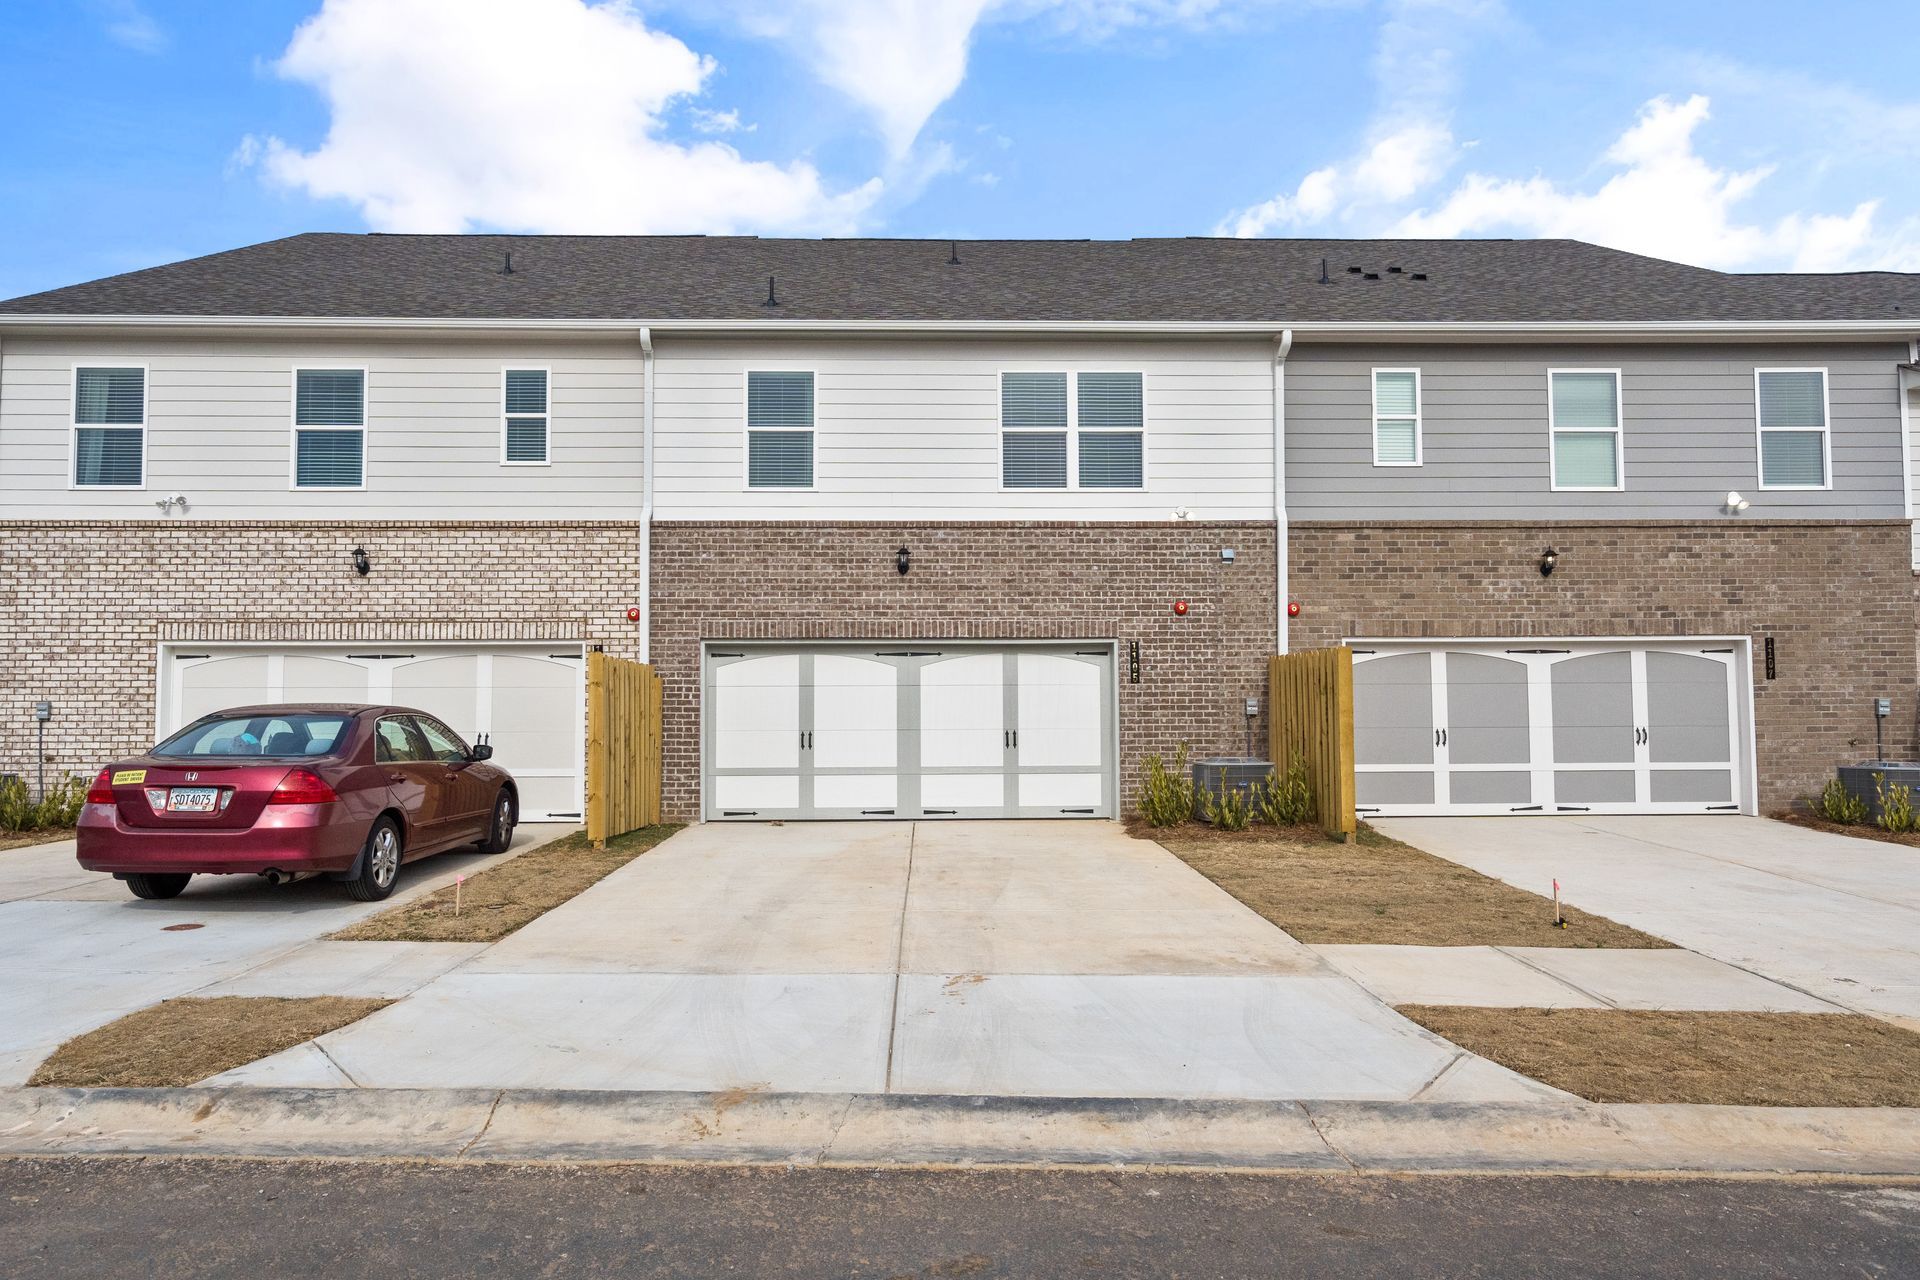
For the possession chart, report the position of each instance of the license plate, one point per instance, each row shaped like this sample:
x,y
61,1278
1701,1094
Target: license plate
x,y
193,799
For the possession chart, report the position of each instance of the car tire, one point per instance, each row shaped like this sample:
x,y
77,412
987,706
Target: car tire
x,y
378,869
500,827
157,884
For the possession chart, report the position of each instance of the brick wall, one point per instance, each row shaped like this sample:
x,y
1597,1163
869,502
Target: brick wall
x,y
85,604
981,581
1837,598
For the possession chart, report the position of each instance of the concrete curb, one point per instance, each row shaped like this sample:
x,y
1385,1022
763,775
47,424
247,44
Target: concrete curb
x,y
865,1130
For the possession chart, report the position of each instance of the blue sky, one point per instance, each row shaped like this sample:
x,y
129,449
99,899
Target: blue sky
x,y
1740,136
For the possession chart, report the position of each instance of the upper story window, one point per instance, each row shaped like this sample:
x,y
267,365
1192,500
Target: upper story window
x,y
1794,440
109,427
1396,417
329,428
1583,418
1094,439
779,430
523,440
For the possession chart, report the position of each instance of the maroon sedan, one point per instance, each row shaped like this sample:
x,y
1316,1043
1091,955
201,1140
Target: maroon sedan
x,y
288,792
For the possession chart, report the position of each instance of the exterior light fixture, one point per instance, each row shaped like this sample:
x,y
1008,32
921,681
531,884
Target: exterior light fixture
x,y
361,565
903,560
1735,503
1548,559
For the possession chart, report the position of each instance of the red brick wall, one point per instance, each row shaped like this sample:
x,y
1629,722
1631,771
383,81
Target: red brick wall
x,y
981,581
1837,598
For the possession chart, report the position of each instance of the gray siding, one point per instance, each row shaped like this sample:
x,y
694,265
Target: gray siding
x,y
1687,417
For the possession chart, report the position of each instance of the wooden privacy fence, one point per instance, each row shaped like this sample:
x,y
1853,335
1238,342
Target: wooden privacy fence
x,y
623,746
1310,700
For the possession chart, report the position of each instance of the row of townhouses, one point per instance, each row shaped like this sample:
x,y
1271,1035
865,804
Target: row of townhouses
x,y
917,529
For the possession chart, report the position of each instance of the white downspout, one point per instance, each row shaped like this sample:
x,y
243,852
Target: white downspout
x,y
1281,347
646,495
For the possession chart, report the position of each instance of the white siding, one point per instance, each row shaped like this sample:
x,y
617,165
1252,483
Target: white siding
x,y
911,430
219,414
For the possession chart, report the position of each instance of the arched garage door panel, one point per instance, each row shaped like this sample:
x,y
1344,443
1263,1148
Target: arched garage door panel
x,y
527,701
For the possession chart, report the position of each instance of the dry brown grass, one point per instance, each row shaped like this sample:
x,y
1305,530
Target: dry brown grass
x,y
24,839
1722,1059
176,1042
1379,890
502,898
1865,830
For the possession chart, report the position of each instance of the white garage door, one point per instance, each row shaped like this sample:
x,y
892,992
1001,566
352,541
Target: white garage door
x,y
909,730
1547,727
526,700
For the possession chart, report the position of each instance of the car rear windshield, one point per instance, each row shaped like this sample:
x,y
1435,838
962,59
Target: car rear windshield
x,y
257,735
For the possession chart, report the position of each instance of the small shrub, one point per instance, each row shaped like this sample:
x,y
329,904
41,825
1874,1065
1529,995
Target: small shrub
x,y
19,811
1287,801
1896,804
1166,795
1837,804
1229,810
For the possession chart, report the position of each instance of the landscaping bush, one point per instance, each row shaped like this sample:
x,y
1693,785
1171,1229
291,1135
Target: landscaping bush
x,y
1230,810
1287,801
1837,804
1166,795
19,811
1896,804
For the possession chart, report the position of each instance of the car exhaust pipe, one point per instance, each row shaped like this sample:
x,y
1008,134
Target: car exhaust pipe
x,y
275,876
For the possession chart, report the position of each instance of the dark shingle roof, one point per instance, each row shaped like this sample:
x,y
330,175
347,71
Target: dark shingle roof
x,y
665,278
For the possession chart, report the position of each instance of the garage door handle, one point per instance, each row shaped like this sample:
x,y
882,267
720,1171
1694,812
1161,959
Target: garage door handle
x,y
806,739
1009,737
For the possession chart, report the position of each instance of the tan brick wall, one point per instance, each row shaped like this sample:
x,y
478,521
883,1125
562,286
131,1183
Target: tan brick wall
x,y
981,581
85,604
1837,598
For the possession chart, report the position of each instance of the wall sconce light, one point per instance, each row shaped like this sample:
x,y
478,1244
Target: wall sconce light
x,y
1735,503
903,561
361,565
1548,559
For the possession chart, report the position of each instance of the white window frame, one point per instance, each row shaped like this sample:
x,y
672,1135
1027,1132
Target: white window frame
x,y
747,429
1826,430
74,424
506,419
1073,373
1419,417
294,428
1619,437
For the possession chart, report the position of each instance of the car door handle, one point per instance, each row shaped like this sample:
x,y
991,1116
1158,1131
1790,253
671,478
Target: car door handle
x,y
396,777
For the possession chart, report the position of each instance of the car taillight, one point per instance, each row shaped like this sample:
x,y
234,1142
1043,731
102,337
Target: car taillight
x,y
101,792
302,786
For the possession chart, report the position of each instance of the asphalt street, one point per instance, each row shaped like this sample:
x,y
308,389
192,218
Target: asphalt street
x,y
252,1219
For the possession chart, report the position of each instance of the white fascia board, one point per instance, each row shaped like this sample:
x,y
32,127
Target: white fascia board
x,y
1322,331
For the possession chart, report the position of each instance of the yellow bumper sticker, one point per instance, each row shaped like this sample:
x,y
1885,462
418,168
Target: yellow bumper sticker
x,y
127,777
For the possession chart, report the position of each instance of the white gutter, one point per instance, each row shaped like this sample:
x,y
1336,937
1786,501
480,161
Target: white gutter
x,y
1334,331
646,494
1281,347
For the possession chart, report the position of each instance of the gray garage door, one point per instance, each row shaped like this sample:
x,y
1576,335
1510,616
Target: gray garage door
x,y
1545,727
908,729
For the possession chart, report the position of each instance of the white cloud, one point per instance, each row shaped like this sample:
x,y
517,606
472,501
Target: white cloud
x,y
128,24
707,121
530,115
1665,199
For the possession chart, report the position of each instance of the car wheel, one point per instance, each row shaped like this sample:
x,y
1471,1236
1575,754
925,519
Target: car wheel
x,y
500,831
158,885
379,863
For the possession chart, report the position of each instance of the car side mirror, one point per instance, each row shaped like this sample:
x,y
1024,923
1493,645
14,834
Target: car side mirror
x,y
482,752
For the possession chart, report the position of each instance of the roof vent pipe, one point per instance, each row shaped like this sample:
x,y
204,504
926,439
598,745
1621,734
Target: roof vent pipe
x,y
953,253
771,301
507,270
1324,278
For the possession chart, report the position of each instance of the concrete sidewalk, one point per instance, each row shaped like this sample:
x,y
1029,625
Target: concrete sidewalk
x,y
841,1130
971,958
1835,917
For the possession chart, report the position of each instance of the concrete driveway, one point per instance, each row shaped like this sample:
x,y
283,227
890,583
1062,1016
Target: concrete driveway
x,y
79,950
1008,958
1834,916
